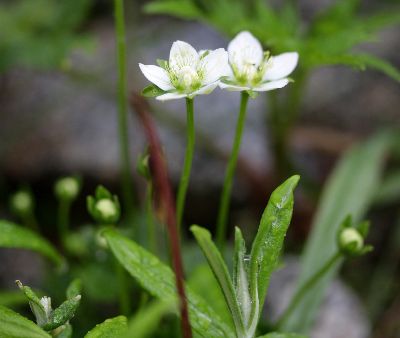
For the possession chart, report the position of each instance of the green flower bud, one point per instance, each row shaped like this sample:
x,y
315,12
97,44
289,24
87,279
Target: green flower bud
x,y
22,203
351,241
104,207
67,188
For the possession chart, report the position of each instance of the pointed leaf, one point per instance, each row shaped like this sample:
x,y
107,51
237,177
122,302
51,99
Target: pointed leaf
x,y
221,273
13,325
63,313
267,245
159,280
15,236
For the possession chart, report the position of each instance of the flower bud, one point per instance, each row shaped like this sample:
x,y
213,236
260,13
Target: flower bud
x,y
351,241
104,207
22,203
67,188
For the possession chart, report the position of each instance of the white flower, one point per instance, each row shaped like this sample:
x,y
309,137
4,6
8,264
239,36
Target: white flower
x,y
254,70
188,72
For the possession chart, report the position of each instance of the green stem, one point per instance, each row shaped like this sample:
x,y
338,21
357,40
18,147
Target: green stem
x,y
306,287
151,231
187,166
127,182
230,172
64,207
123,290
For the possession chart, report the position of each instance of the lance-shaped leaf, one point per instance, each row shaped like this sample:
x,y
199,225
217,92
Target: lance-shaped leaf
x,y
110,328
40,307
15,236
63,313
13,325
240,279
159,280
221,273
269,239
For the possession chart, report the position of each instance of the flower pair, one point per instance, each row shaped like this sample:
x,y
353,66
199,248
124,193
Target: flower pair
x,y
244,67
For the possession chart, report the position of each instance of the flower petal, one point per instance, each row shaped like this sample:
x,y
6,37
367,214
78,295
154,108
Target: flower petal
x,y
271,85
170,96
205,90
214,65
245,49
281,66
182,54
157,75
232,87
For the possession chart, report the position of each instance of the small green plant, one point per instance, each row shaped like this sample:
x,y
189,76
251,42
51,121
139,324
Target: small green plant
x,y
105,254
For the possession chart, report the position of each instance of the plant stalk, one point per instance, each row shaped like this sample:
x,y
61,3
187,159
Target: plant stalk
x,y
127,182
187,166
306,286
64,208
230,173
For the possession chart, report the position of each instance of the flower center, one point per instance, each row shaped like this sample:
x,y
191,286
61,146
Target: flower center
x,y
188,79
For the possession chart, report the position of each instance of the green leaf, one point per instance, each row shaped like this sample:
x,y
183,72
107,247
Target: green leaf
x,y
268,243
152,91
282,335
240,278
63,313
110,328
13,325
221,273
349,191
14,236
146,321
37,307
180,9
159,280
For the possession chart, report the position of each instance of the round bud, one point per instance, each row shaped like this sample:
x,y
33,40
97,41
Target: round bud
x,y
107,210
21,202
67,188
351,241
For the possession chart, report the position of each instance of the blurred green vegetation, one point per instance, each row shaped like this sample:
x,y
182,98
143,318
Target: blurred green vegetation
x,y
39,34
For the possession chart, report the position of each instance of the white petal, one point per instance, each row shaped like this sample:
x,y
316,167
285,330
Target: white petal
x,y
232,87
157,75
215,65
245,49
281,66
182,54
170,96
271,85
205,90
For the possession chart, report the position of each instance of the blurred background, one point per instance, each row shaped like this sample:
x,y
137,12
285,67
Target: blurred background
x,y
59,117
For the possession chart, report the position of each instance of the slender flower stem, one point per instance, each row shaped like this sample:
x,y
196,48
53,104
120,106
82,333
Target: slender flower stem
x,y
127,182
64,207
306,287
187,166
230,172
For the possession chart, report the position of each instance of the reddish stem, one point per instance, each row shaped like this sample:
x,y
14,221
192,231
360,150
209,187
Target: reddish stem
x,y
161,180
